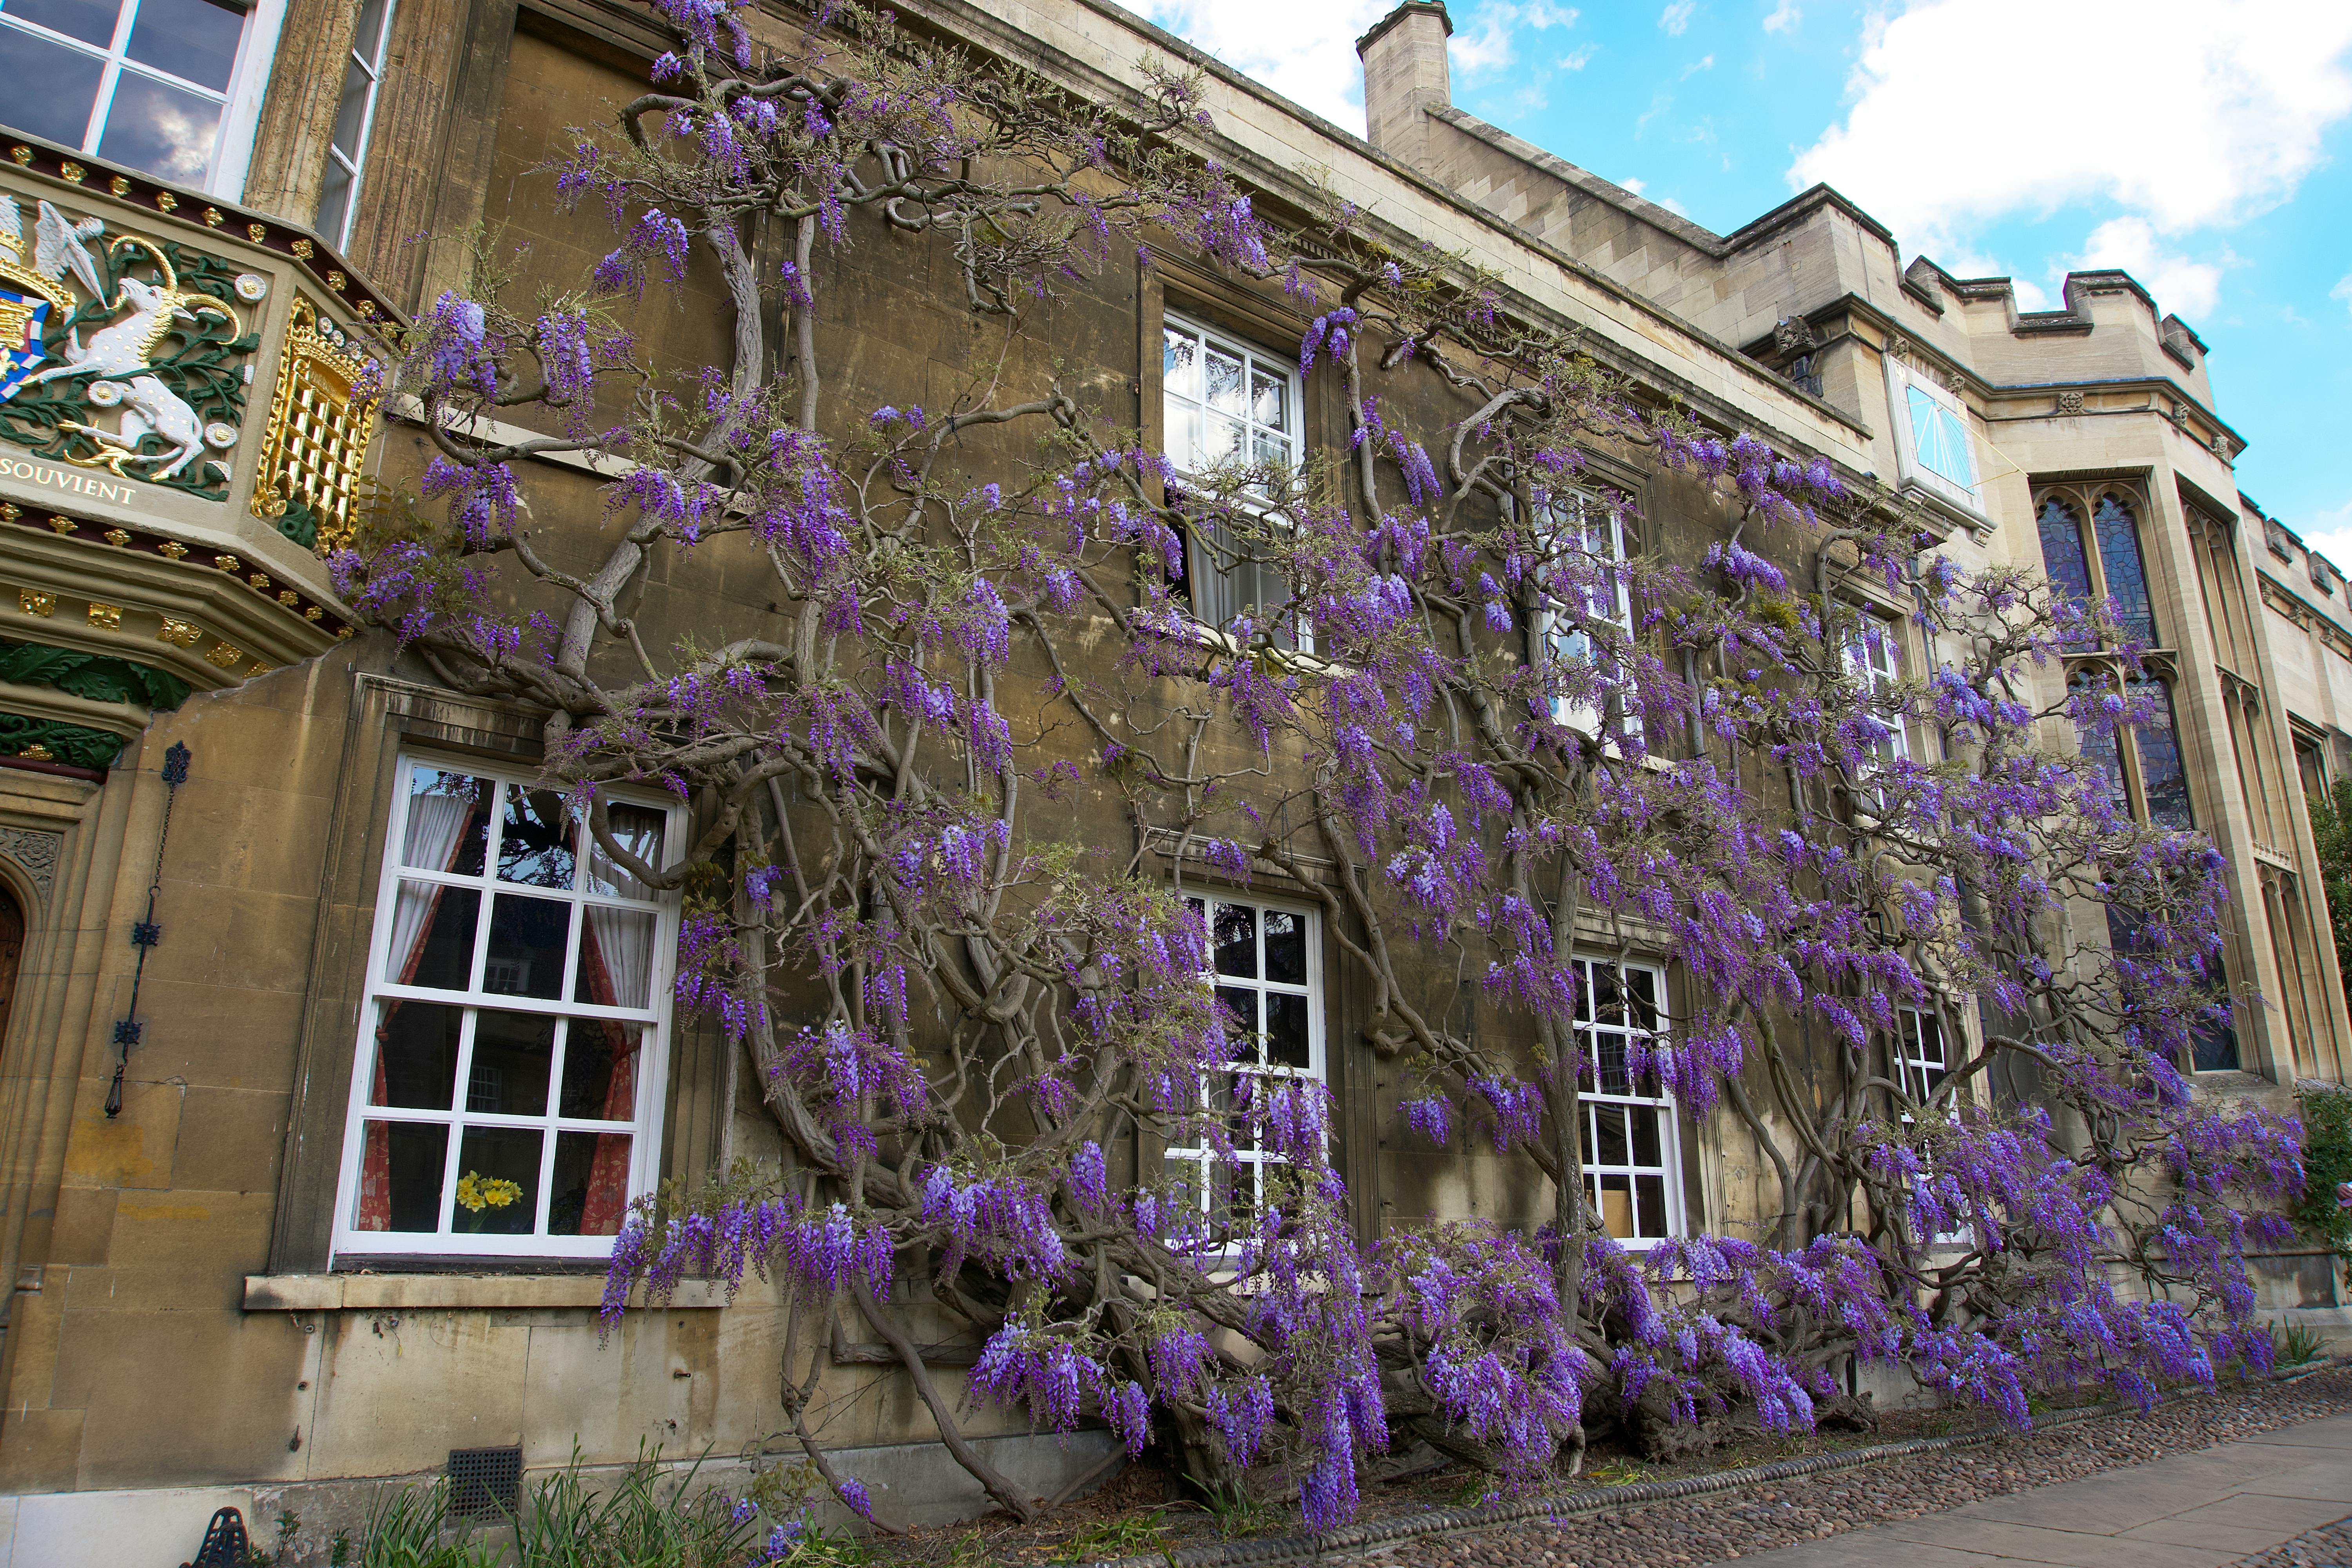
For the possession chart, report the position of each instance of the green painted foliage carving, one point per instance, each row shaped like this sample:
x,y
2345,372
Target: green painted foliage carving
x,y
93,676
69,744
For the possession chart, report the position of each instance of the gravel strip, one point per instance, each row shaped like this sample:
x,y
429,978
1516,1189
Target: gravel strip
x,y
1723,1526
2330,1546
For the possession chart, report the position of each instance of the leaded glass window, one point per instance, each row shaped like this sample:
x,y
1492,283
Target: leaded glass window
x,y
2124,570
2063,556
2163,777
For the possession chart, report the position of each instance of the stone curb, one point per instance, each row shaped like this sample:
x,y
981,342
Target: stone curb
x,y
1601,1499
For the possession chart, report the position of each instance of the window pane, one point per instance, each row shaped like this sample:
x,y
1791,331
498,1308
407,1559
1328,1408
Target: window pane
x,y
367,37
1271,453
432,936
1184,437
591,1186
1642,998
2163,778
1646,1136
1180,365
163,130
1608,1048
1286,946
1220,441
1241,1020
638,829
334,202
2127,573
535,841
1269,401
400,1176
1222,1090
1285,1030
527,942
351,110
1223,382
416,1055
1617,1206
1608,1135
1236,940
448,822
50,88
1650,1195
616,958
91,21
512,1054
498,1182
2063,556
600,1069
196,40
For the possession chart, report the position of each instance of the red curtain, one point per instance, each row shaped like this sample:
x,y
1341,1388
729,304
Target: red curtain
x,y
608,1172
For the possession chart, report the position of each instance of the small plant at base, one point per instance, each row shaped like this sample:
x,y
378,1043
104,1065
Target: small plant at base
x,y
1618,1473
1238,1510
2300,1343
1117,1537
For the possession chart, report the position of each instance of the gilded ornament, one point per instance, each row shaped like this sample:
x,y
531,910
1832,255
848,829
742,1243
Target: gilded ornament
x,y
257,671
337,283
226,563
7,511
62,525
72,173
38,752
312,613
314,451
288,597
301,249
224,656
214,218
182,633
260,580
22,154
367,310
167,201
343,634
257,232
118,186
35,604
251,287
119,537
171,550
106,618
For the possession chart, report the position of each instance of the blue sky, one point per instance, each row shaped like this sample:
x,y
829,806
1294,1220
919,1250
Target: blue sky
x,y
2203,145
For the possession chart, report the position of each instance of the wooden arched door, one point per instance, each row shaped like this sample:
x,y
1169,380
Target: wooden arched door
x,y
12,947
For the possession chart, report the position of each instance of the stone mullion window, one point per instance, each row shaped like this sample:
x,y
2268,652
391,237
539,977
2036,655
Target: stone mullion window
x,y
511,1059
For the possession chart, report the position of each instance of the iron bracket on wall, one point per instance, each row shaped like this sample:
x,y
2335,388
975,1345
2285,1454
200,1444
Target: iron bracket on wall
x,y
145,934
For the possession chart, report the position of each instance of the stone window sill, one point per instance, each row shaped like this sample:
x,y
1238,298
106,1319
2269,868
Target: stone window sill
x,y
417,1292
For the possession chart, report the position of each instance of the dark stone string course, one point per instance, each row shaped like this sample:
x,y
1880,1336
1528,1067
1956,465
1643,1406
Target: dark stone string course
x,y
1793,1501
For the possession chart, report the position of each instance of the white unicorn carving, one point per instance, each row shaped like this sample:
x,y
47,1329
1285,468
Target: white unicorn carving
x,y
122,347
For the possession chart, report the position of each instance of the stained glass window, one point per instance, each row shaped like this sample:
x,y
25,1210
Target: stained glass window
x,y
2163,778
2098,746
2063,556
2120,563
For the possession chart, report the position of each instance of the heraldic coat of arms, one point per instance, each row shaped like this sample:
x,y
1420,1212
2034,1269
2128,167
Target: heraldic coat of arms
x,y
121,353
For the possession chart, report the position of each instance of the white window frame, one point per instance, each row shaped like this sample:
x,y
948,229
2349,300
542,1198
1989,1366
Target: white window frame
x,y
1199,1156
240,102
1908,1049
355,164
653,1053
1566,645
1594,1099
1876,675
1175,400
1902,381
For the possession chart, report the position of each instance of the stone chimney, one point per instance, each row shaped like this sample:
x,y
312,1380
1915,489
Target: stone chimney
x,y
1404,74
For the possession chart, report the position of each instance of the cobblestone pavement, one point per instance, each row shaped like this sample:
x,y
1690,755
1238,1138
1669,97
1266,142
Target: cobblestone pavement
x,y
2328,1548
2180,1487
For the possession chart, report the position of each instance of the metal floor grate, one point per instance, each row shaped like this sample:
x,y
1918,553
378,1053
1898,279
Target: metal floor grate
x,y
484,1483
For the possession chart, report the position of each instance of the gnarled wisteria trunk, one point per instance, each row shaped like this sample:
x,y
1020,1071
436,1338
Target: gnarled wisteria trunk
x,y
1468,731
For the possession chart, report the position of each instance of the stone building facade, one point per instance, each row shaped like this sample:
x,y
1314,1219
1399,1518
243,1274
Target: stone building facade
x,y
212,796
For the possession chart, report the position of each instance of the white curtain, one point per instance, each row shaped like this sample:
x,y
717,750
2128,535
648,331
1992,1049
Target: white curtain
x,y
638,831
625,940
437,825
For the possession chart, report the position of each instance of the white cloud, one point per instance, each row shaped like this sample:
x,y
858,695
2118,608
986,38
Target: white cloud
x,y
1963,111
2184,288
1633,185
1676,16
1306,53
2329,532
2030,296
1705,65
2342,290
1490,47
1784,18
1576,59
